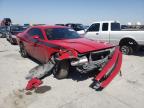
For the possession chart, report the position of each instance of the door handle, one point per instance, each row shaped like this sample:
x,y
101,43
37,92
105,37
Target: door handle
x,y
97,33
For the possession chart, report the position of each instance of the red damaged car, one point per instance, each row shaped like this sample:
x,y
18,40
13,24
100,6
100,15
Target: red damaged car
x,y
65,48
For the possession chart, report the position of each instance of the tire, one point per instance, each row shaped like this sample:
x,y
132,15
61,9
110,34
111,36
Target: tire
x,y
1,35
127,50
4,36
23,51
11,41
61,70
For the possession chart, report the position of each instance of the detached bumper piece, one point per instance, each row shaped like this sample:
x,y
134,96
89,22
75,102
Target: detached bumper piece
x,y
33,83
109,71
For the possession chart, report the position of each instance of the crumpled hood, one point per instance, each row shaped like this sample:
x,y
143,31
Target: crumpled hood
x,y
82,45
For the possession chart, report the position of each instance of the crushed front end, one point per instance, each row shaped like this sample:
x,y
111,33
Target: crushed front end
x,y
107,62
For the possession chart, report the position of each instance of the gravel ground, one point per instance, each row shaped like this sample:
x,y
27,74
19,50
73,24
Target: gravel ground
x,y
123,92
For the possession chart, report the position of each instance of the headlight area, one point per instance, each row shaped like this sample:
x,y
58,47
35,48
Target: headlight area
x,y
81,61
93,60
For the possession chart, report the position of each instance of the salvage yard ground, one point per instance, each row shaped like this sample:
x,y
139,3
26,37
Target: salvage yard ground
x,y
124,92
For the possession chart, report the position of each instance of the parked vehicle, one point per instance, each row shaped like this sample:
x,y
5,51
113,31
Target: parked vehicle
x,y
79,28
26,25
1,35
14,30
6,22
110,31
3,32
65,48
60,24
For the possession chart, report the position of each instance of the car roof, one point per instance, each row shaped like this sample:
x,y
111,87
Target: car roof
x,y
48,26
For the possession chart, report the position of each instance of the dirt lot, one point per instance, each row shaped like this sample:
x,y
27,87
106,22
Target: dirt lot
x,y
124,92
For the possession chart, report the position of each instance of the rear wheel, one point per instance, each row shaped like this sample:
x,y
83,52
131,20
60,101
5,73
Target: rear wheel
x,y
11,41
61,69
1,35
23,51
128,46
127,50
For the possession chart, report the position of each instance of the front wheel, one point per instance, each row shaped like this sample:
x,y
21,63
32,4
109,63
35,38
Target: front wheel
x,y
23,51
127,50
11,41
61,69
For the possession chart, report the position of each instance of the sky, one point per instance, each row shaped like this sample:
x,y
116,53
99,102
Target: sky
x,y
68,11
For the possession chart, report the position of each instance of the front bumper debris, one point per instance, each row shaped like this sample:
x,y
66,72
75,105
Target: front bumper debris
x,y
109,71
33,83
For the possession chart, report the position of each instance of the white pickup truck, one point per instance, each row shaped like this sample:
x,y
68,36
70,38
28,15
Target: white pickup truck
x,y
110,31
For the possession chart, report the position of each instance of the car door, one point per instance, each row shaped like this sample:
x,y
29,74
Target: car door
x,y
39,48
29,43
93,32
104,34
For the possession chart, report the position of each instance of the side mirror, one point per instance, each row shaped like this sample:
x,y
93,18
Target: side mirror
x,y
36,37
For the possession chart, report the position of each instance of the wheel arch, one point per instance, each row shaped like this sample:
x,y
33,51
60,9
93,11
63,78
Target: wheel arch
x,y
126,41
130,42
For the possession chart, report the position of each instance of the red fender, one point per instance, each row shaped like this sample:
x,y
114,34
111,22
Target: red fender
x,y
67,54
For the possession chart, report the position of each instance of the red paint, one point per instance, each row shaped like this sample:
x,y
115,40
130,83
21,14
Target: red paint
x,y
67,54
82,45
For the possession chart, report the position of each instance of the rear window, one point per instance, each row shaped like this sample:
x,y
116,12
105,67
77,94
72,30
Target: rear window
x,y
115,27
105,27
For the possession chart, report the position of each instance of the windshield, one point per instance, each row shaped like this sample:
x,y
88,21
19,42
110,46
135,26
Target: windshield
x,y
61,33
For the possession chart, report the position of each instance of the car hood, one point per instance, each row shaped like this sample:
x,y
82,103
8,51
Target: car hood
x,y
82,45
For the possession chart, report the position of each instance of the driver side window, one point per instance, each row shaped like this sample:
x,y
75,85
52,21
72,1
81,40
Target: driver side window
x,y
36,31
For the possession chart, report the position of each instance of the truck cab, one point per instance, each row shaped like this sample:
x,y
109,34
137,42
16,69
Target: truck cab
x,y
110,31
101,30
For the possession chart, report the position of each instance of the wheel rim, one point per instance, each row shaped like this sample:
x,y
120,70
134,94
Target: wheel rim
x,y
11,41
23,52
125,49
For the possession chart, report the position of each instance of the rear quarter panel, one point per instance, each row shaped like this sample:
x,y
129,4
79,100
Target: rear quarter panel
x,y
116,36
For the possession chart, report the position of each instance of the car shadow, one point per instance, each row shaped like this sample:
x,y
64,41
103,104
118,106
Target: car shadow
x,y
34,60
42,89
77,76
140,53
